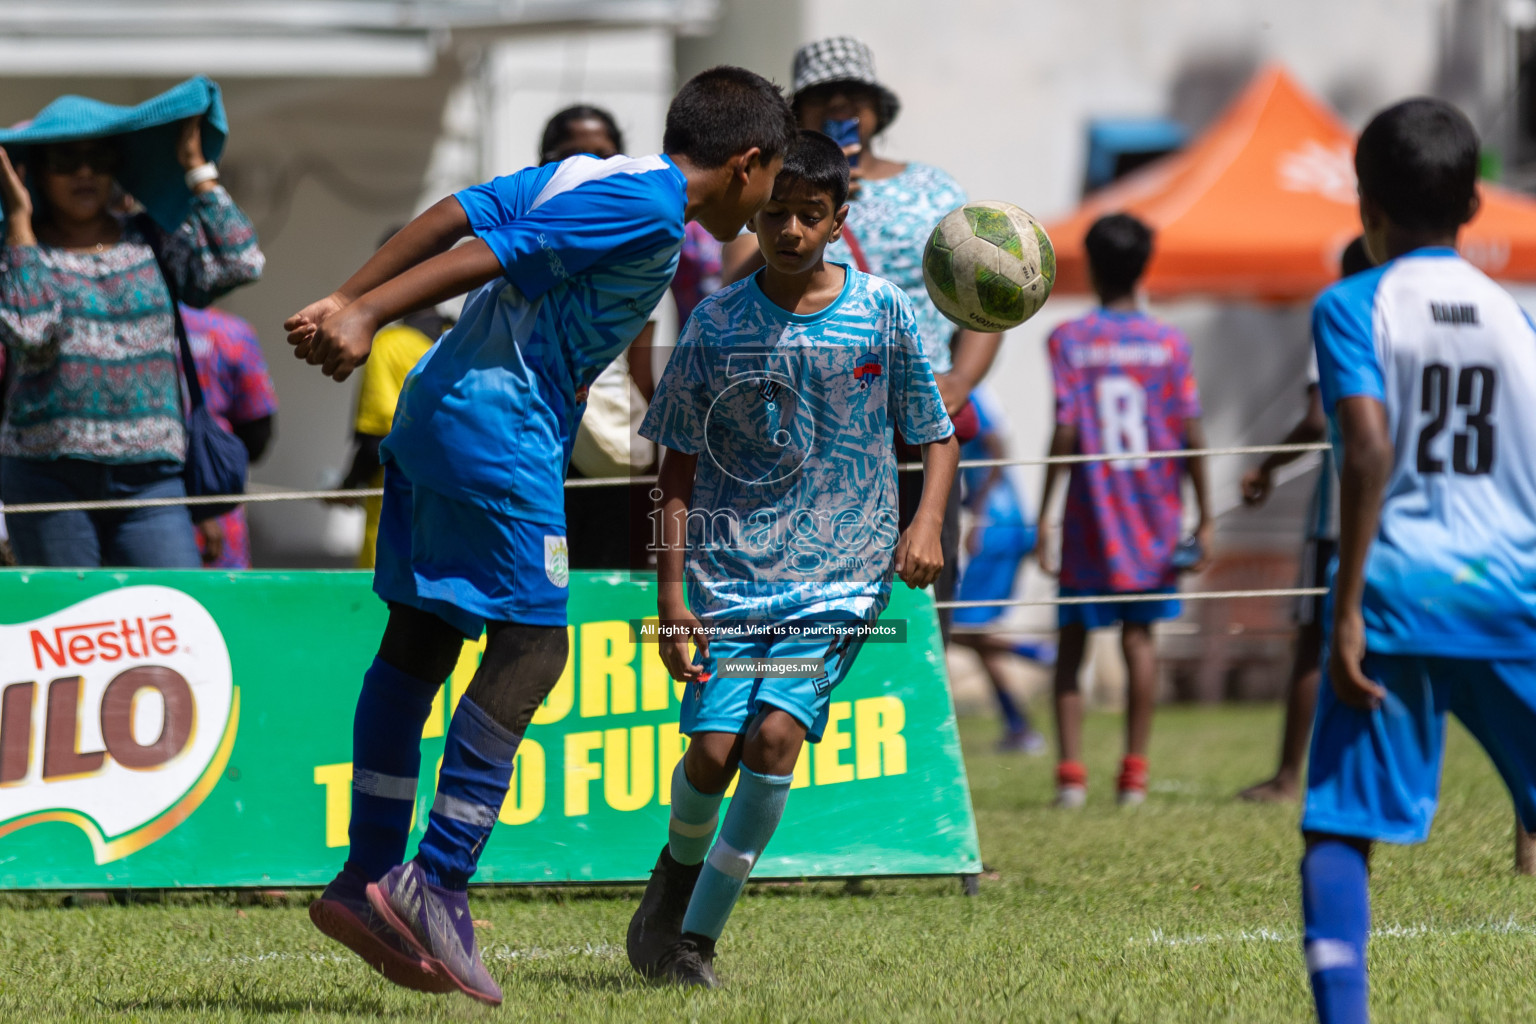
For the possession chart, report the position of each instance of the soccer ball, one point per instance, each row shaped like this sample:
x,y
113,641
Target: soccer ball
x,y
989,266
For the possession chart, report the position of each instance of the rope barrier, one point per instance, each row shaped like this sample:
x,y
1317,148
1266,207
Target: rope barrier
x,y
1178,453
1197,595
259,497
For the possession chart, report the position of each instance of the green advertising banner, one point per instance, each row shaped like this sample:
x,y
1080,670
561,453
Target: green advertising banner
x,y
163,729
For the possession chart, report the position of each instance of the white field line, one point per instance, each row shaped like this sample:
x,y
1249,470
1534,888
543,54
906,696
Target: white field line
x,y
1157,937
500,954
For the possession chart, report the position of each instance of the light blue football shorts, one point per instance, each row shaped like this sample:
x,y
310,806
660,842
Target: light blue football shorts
x,y
728,704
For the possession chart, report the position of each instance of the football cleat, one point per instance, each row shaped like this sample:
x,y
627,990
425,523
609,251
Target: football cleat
x,y
343,913
689,962
436,924
658,921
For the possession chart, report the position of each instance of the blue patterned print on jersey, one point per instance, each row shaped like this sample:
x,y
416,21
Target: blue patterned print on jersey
x,y
792,418
587,248
891,219
1451,570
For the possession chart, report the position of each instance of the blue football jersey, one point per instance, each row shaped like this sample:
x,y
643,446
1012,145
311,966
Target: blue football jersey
x,y
587,247
792,417
1452,357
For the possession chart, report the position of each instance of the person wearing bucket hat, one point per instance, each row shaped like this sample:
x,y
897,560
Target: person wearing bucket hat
x,y
94,410
891,212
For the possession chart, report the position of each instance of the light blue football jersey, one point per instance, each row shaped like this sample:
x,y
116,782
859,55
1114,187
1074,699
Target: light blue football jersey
x,y
792,418
1452,571
587,247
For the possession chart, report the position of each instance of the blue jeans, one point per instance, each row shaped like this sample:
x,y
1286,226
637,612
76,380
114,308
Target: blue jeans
x,y
146,538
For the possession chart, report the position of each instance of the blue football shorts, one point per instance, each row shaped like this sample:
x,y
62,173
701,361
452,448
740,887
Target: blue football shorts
x,y
467,564
1108,613
1376,774
729,704
990,573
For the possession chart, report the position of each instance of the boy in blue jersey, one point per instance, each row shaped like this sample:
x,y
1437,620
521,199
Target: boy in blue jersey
x,y
568,260
1428,375
778,491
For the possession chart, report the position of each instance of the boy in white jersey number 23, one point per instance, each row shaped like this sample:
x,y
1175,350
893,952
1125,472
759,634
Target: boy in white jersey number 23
x,y
778,493
1428,375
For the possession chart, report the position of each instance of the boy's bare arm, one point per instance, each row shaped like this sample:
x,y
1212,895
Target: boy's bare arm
x,y
343,340
919,553
1363,474
1194,465
675,482
1063,442
973,353
1313,426
434,231
640,368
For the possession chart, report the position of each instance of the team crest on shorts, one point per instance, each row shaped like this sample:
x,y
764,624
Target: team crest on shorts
x,y
557,561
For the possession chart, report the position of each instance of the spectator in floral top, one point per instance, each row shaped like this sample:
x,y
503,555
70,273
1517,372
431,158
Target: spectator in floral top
x,y
239,393
95,409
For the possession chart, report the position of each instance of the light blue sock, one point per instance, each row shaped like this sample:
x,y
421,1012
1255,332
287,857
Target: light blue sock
x,y
694,817
749,823
1336,908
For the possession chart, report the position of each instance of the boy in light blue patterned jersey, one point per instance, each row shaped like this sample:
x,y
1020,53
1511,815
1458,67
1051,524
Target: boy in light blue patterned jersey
x,y
778,493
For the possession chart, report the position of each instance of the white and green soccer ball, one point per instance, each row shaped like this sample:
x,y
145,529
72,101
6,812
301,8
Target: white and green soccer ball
x,y
989,266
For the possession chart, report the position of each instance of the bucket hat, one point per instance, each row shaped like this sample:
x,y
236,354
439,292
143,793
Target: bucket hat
x,y
842,59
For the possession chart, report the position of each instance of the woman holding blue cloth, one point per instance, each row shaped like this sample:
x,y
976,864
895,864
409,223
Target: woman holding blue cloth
x,y
86,316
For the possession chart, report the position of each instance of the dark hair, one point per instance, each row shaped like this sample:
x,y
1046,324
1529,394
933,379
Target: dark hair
x,y
1354,258
558,129
725,111
817,162
1118,247
1418,160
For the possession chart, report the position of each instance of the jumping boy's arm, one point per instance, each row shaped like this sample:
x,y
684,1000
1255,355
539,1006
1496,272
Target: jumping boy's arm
x,y
676,484
1194,465
433,232
919,555
342,341
1363,473
1063,442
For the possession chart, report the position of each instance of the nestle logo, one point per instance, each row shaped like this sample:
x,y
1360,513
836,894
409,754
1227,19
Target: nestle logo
x,y
104,641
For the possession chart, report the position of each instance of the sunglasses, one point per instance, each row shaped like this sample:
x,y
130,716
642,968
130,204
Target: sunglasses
x,y
62,161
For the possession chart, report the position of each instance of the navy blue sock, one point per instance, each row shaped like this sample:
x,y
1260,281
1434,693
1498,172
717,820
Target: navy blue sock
x,y
1011,714
1336,907
477,768
386,761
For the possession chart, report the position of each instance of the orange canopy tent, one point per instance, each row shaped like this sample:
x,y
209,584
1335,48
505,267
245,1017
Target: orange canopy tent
x,y
1262,203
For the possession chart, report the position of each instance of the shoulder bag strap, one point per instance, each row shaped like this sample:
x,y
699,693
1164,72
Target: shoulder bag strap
x,y
155,239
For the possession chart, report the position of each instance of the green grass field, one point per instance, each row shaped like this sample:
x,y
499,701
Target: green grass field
x,y
1183,910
